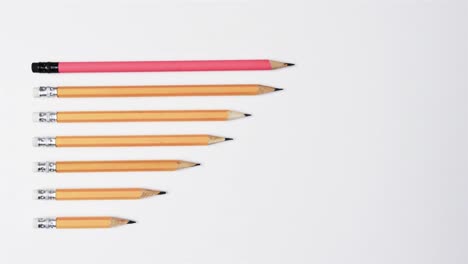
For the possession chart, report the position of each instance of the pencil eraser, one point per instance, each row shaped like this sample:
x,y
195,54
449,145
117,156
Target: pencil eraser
x,y
44,223
44,194
35,117
43,142
45,92
35,67
44,166
44,117
45,67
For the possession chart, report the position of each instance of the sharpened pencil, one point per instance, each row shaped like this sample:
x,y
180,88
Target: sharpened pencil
x,y
152,90
80,222
137,116
112,166
157,66
95,194
128,141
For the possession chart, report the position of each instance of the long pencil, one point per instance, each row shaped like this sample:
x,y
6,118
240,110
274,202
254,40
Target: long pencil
x,y
157,66
128,141
112,166
137,116
95,194
80,222
152,90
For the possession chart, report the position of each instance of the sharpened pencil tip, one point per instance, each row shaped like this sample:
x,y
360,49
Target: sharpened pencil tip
x,y
227,139
247,114
197,164
161,193
290,64
131,222
278,89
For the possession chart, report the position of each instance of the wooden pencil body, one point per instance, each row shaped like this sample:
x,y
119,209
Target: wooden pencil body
x,y
119,141
115,166
143,116
88,222
161,90
100,194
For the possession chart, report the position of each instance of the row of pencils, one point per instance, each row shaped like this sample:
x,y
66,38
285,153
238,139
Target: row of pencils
x,y
131,116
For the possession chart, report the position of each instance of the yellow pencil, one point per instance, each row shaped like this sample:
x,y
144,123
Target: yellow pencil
x,y
112,166
137,116
80,222
128,141
95,194
152,90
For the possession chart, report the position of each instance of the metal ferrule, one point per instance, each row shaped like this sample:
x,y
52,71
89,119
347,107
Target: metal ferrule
x,y
45,223
45,167
44,142
47,117
46,91
44,194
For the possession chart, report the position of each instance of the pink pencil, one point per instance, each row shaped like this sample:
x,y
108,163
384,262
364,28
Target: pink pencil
x,y
158,66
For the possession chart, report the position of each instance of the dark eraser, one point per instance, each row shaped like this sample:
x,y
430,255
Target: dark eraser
x,y
35,67
45,67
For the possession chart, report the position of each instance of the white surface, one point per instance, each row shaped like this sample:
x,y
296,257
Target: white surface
x,y
35,167
35,117
35,223
36,92
35,196
361,159
35,142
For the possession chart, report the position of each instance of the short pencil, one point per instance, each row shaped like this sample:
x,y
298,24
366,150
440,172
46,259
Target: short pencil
x,y
95,194
80,222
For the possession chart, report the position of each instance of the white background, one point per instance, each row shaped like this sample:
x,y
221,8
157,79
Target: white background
x,y
361,159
